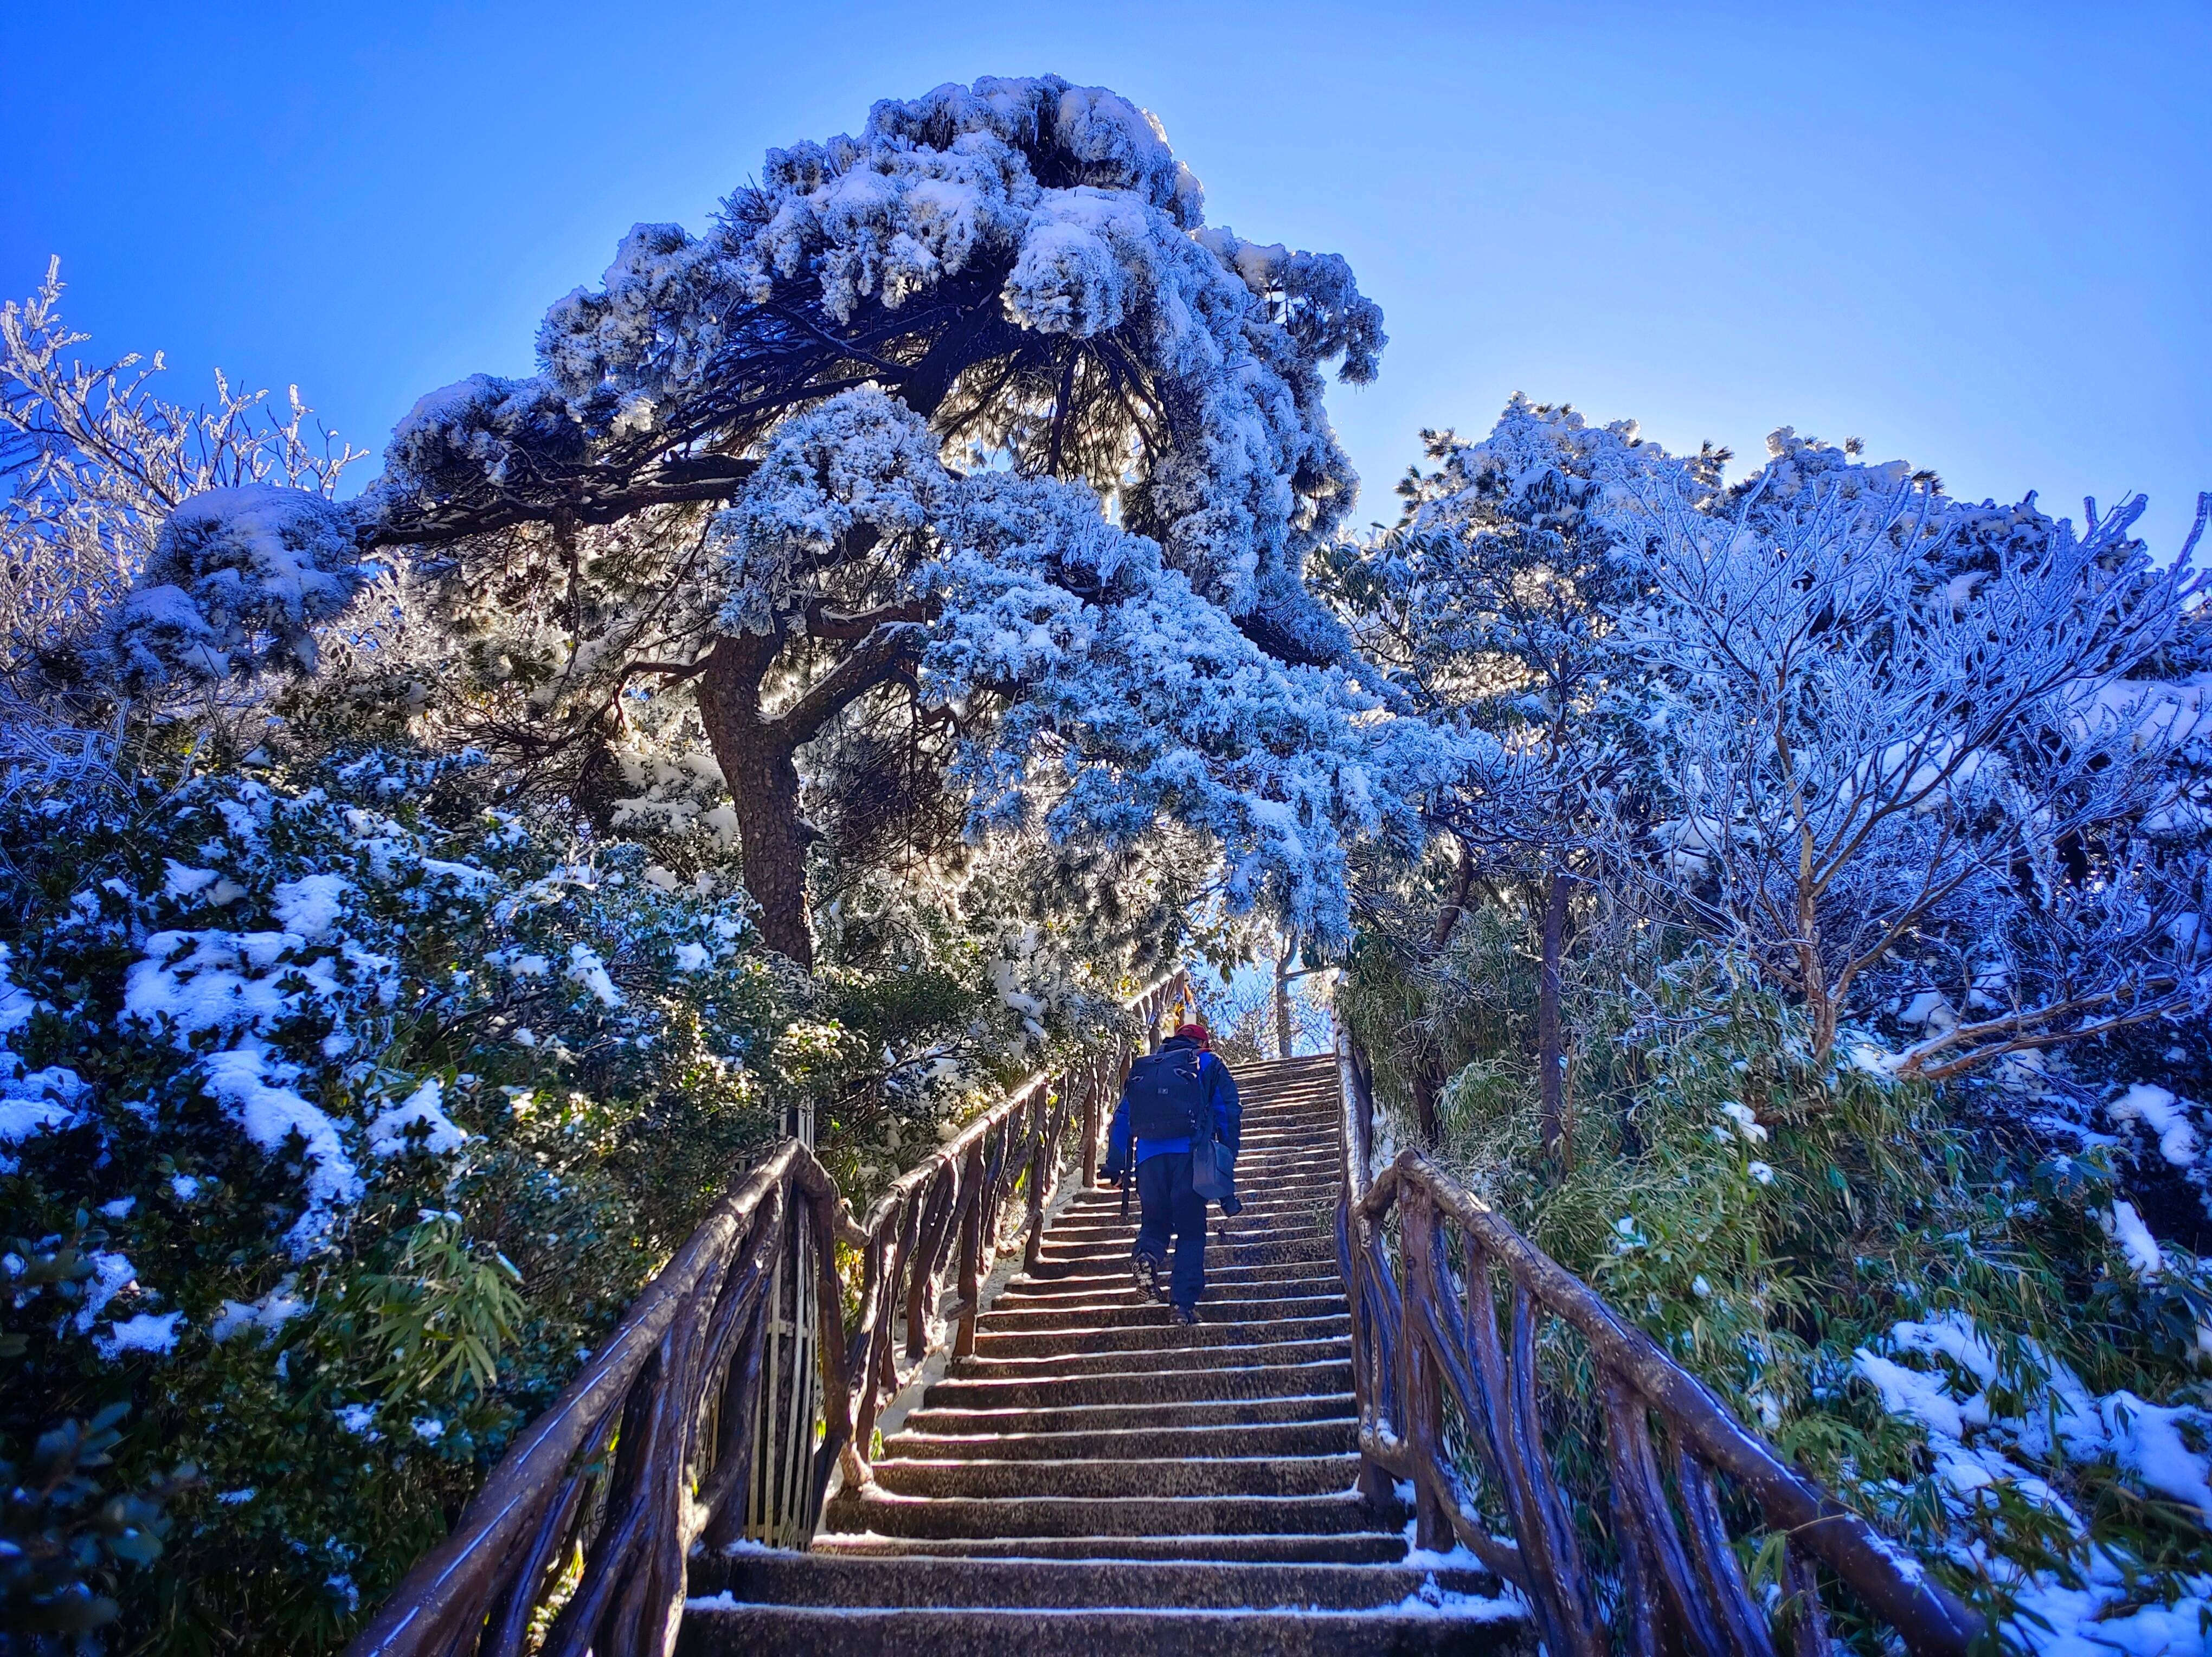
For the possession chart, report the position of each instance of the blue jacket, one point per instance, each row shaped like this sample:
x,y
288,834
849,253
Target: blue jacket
x,y
1222,1103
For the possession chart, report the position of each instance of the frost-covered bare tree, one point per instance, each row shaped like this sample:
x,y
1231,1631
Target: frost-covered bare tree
x,y
966,429
92,462
1894,737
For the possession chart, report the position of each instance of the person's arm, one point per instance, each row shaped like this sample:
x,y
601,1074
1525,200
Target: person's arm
x,y
1228,1107
1119,1149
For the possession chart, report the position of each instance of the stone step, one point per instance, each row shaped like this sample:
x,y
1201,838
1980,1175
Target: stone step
x,y
1270,1249
1292,1189
1257,1213
1343,1548
1229,1285
1237,1438
730,1628
888,1515
1160,1476
1143,1386
1163,1334
1079,1323
1164,1360
817,1579
1263,1206
1143,1415
1295,1236
1109,1275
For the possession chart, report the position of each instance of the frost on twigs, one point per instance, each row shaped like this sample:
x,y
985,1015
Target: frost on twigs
x,y
239,580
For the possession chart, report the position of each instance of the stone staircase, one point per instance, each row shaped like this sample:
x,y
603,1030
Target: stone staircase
x,y
1096,1479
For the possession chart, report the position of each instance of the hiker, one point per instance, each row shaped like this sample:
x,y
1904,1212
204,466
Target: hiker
x,y
1177,1107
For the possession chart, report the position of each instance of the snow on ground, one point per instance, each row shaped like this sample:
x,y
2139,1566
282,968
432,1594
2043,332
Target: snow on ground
x,y
1976,1450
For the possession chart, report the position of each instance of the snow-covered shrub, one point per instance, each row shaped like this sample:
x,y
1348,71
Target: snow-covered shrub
x,y
341,1111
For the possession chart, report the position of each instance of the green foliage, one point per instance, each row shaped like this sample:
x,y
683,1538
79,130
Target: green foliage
x,y
66,1537
444,1317
342,1388
1766,1216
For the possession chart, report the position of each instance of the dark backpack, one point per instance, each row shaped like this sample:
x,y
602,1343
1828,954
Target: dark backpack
x,y
1167,1094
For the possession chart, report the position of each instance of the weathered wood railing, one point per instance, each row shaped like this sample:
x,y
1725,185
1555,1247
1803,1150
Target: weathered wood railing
x,y
1426,1332
578,1540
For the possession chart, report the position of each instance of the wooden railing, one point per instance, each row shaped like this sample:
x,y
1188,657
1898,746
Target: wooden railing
x,y
578,1542
1425,1333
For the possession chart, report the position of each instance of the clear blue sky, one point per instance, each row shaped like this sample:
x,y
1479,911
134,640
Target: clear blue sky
x,y
1977,237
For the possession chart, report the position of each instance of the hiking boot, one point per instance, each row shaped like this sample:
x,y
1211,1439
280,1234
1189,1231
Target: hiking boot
x,y
1144,1272
1186,1316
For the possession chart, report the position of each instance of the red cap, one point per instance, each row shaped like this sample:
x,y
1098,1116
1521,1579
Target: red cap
x,y
1196,1033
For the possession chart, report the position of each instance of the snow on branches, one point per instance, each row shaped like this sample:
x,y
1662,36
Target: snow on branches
x,y
1886,739
1017,262
1123,698
736,465
239,579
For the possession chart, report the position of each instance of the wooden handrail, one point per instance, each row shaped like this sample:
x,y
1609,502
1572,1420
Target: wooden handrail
x,y
1418,1335
648,1450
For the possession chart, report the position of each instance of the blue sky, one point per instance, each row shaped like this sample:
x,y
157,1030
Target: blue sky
x,y
1977,237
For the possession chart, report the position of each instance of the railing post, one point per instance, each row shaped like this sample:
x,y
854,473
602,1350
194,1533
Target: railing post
x,y
971,1252
1424,1398
1041,1162
1094,1086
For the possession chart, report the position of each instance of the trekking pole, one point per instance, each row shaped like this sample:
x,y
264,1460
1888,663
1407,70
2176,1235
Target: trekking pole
x,y
1127,1180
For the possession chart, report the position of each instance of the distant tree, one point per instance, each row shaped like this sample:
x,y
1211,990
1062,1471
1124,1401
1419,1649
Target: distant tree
x,y
1494,602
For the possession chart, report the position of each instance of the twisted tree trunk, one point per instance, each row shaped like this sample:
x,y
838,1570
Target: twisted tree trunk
x,y
758,751
757,762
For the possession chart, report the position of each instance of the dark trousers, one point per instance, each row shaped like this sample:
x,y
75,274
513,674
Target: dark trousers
x,y
1167,1203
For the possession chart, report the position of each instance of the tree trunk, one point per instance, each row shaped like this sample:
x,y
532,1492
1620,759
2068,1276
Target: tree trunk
x,y
1428,1088
1283,1037
756,763
1551,1052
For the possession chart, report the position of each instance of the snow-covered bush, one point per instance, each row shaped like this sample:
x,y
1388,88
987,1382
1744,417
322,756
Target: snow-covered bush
x,y
341,1111
1966,1333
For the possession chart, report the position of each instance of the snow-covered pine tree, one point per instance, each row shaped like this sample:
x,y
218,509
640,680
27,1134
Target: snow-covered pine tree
x,y
968,428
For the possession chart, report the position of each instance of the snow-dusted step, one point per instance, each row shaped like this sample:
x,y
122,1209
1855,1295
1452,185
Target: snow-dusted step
x,y
1144,1386
818,1578
1071,1320
712,1629
1110,1285
1240,1438
1235,1347
886,1514
1151,1475
1025,1341
1321,1406
1347,1548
